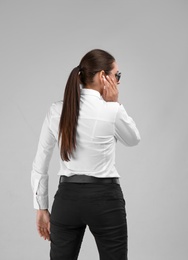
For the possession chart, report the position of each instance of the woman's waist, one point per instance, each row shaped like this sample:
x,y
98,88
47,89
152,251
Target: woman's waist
x,y
107,171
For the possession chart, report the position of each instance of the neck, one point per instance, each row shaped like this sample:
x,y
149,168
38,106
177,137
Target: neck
x,y
97,88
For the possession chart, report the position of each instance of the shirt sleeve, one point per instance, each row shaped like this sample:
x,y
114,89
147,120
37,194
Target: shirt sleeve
x,y
125,128
39,173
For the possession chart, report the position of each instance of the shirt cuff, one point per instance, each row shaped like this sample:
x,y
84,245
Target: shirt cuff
x,y
40,202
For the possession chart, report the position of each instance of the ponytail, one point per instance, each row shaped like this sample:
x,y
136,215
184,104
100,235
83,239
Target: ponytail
x,y
69,116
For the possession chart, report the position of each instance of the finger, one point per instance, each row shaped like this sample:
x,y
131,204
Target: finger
x,y
48,227
46,234
111,82
106,85
109,79
106,90
106,82
114,84
41,231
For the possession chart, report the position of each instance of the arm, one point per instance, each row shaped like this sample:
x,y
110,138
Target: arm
x,y
125,128
39,176
39,173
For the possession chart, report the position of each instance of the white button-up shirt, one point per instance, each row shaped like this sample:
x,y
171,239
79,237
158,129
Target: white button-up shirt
x,y
100,125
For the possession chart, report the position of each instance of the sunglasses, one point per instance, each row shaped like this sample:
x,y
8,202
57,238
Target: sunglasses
x,y
118,76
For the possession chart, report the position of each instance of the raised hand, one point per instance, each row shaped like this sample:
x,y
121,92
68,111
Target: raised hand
x,y
110,90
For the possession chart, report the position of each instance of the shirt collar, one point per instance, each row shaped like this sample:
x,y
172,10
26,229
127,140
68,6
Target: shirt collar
x,y
91,92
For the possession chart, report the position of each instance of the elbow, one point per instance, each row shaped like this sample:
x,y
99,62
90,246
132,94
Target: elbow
x,y
130,139
134,141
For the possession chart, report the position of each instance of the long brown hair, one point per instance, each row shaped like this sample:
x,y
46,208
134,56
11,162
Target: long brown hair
x,y
93,62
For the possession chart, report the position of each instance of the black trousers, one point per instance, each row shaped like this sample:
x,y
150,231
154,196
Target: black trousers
x,y
101,207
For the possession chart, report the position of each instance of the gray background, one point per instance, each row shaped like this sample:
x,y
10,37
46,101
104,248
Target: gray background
x,y
41,41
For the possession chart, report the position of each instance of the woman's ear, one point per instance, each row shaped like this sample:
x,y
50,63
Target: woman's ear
x,y
102,75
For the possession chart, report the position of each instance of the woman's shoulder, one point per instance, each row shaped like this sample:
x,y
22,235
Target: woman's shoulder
x,y
112,107
109,110
56,108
